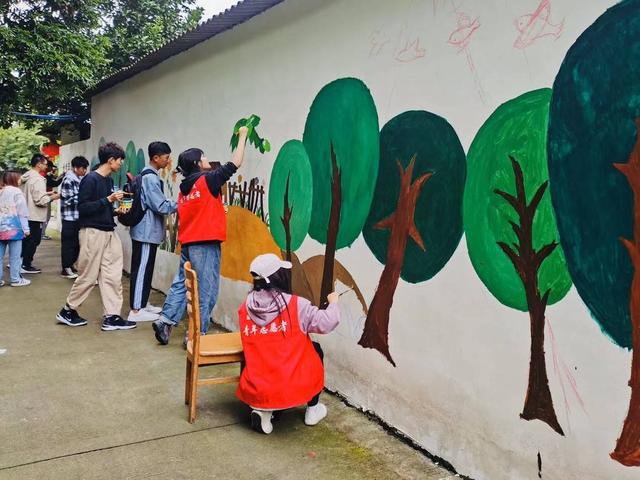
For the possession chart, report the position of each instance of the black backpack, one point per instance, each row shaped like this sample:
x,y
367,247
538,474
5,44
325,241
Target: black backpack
x,y
136,213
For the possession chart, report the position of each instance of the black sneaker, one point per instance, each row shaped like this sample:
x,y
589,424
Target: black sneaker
x,y
30,269
162,331
116,322
70,317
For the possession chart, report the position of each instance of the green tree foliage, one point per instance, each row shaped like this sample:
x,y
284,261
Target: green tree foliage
x,y
54,50
290,195
17,145
138,27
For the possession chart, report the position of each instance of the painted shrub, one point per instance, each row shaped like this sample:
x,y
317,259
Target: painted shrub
x,y
342,140
594,173
511,230
290,197
415,222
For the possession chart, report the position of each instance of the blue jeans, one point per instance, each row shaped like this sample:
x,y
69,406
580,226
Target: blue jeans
x,y
15,260
205,260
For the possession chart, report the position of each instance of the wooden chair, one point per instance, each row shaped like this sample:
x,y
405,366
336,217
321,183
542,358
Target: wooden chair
x,y
203,350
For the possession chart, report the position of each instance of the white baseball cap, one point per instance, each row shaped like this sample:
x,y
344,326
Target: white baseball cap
x,y
263,266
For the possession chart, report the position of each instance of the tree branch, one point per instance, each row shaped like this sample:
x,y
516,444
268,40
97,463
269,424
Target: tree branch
x,y
513,256
513,201
543,253
519,177
537,197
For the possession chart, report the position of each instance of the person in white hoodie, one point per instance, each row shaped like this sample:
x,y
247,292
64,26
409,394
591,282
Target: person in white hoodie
x,y
283,367
34,188
14,226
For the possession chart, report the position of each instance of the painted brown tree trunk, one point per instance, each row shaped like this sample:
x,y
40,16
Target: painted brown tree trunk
x,y
286,221
332,230
402,225
538,404
627,450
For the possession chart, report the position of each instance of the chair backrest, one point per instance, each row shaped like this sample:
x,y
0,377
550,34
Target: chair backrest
x,y
193,307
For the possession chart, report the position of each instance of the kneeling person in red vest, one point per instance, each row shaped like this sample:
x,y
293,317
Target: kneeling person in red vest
x,y
283,367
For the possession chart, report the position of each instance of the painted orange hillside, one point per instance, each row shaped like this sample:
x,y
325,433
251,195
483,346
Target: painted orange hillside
x,y
247,237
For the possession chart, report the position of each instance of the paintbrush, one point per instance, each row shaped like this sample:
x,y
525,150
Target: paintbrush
x,y
326,303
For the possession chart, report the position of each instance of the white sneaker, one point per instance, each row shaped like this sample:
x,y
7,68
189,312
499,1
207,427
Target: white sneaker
x,y
142,316
261,421
314,414
23,282
68,273
152,308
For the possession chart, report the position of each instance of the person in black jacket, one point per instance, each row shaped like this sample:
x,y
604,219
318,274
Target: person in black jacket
x,y
53,181
100,248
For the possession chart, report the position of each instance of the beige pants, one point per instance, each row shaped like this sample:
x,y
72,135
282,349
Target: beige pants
x,y
100,259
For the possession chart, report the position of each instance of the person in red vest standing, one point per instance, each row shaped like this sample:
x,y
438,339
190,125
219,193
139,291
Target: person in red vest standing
x,y
201,230
283,367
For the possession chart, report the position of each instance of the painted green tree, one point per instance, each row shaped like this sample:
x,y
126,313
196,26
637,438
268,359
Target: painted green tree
x,y
511,230
140,163
594,169
290,196
415,222
341,137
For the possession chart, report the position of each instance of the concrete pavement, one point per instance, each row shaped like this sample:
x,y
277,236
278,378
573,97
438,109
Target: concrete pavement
x,y
79,403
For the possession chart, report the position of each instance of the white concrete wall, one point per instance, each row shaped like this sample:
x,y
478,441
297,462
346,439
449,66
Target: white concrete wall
x,y
462,357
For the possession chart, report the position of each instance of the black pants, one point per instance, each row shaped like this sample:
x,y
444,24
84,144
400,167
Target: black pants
x,y
143,259
30,244
314,400
70,243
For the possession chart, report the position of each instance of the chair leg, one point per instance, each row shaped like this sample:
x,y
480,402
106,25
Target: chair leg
x,y
187,383
193,397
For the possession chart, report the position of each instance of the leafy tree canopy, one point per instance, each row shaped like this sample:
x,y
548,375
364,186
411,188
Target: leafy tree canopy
x,y
17,145
53,50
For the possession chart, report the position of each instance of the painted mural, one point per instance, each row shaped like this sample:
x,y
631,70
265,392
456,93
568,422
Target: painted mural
x,y
547,196
415,221
511,231
594,173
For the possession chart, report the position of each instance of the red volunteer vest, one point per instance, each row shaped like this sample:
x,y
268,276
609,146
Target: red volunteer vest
x,y
282,369
201,215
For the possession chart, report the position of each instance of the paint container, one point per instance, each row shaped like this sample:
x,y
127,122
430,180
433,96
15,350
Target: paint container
x,y
126,204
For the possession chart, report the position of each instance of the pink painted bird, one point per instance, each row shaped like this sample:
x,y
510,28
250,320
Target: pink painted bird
x,y
461,36
536,25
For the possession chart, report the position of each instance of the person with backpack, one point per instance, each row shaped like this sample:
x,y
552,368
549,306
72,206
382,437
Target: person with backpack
x,y
150,206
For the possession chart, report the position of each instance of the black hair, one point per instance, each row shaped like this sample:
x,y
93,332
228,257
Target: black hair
x,y
188,161
158,148
37,158
109,150
79,162
279,283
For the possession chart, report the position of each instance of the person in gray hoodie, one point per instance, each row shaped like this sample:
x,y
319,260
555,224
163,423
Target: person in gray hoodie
x,y
283,367
147,235
34,188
